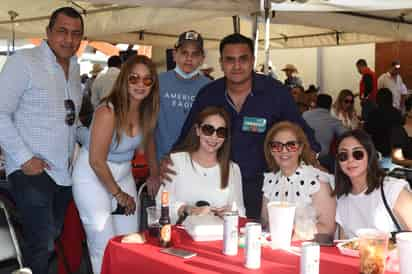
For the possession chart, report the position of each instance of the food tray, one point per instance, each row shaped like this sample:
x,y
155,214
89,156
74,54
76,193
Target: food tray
x,y
204,228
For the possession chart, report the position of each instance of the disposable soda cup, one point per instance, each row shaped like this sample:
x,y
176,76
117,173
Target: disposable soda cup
x,y
404,245
281,216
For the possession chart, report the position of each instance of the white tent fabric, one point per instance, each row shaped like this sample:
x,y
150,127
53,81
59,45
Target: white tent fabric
x,y
158,22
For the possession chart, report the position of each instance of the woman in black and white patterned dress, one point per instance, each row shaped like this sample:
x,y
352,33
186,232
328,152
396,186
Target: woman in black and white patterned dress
x,y
294,179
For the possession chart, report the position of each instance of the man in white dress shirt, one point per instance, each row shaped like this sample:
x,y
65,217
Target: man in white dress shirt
x,y
393,81
39,103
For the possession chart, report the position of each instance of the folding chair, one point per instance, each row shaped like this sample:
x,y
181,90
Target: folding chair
x,y
9,248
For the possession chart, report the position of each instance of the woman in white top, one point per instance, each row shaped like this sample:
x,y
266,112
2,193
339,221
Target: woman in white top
x,y
359,180
344,110
294,179
203,168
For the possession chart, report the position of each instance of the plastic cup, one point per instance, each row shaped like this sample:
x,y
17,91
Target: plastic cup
x,y
153,216
373,247
404,245
281,216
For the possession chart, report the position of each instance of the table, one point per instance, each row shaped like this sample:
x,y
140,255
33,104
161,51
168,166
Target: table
x,y
146,259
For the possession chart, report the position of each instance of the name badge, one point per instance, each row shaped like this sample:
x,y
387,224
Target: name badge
x,y
254,124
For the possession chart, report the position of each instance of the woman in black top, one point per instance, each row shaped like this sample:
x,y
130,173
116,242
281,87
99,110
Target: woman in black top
x,y
382,120
401,139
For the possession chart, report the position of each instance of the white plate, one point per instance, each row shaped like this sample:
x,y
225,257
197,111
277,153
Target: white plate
x,y
347,251
355,253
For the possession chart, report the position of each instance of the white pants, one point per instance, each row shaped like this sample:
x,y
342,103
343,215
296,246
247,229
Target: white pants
x,y
95,205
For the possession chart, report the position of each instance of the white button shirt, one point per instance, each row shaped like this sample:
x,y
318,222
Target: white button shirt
x,y
396,86
32,113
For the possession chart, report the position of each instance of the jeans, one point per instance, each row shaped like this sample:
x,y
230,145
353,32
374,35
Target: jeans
x,y
42,205
367,107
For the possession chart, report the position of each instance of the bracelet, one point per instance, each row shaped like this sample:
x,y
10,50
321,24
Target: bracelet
x,y
117,193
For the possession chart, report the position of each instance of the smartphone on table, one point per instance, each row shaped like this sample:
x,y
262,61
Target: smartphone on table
x,y
178,252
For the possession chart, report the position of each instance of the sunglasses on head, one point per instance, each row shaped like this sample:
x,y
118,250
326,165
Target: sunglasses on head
x,y
70,112
348,101
208,130
356,154
134,79
291,146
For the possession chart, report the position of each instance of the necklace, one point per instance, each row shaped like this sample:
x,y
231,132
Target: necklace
x,y
362,189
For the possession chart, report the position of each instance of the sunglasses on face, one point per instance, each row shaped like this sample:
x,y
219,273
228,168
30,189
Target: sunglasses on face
x,y
208,130
291,146
356,154
348,101
70,112
134,79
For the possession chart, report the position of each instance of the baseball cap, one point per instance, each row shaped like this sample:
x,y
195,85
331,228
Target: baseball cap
x,y
190,36
396,64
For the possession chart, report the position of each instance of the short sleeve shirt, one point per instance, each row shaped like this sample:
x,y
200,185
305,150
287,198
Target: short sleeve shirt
x,y
355,211
297,188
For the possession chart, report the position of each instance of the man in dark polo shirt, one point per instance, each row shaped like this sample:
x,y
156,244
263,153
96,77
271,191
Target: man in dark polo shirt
x,y
368,87
255,102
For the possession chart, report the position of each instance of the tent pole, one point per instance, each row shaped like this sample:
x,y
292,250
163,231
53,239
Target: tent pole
x,y
236,23
13,16
320,73
267,35
255,31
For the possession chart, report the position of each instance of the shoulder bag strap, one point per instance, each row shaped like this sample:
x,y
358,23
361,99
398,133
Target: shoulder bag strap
x,y
398,227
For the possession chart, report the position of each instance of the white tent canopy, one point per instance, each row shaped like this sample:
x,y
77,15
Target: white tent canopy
x,y
158,22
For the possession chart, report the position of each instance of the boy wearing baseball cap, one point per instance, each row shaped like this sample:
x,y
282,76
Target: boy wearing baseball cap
x,y
178,89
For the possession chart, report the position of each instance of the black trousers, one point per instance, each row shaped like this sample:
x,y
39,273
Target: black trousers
x,y
252,196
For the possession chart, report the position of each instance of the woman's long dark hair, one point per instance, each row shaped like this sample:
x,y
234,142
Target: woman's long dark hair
x,y
375,173
192,143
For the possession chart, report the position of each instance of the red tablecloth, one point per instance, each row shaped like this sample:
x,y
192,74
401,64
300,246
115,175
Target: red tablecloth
x,y
145,258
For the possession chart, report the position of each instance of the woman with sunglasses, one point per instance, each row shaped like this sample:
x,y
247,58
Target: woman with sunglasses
x,y
295,179
359,182
104,189
203,168
344,110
